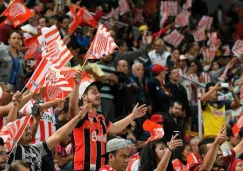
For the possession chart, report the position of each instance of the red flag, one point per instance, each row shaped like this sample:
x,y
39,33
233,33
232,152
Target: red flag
x,y
170,6
182,19
102,45
174,38
188,4
12,132
151,7
17,13
213,38
124,7
87,17
32,45
37,79
238,125
77,19
199,34
156,131
54,48
206,22
241,95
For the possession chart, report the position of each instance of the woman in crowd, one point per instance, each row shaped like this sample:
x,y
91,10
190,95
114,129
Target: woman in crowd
x,y
156,154
12,68
237,165
180,155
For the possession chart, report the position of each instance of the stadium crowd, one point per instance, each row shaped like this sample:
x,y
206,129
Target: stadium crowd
x,y
149,106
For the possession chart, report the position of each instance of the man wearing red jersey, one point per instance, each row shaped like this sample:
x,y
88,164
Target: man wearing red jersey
x,y
90,133
213,158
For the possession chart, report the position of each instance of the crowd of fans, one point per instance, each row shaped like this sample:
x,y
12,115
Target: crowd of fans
x,y
99,126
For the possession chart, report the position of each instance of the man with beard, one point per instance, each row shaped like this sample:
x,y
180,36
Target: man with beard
x,y
213,158
3,155
91,132
171,120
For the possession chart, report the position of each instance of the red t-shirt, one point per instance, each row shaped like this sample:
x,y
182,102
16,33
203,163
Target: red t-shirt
x,y
106,168
229,157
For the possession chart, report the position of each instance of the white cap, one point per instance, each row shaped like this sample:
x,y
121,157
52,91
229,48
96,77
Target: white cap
x,y
83,86
116,144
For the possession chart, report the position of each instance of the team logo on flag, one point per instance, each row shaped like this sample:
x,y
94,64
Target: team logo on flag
x,y
17,9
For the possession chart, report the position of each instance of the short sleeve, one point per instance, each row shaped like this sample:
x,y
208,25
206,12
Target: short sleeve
x,y
43,148
108,124
97,69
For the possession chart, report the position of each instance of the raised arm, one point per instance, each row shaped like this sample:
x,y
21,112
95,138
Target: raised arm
x,y
163,164
236,102
64,131
207,94
12,115
122,124
211,155
239,148
74,95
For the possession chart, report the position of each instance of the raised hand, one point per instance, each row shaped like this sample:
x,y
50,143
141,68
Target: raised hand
x,y
17,97
84,110
139,112
174,143
221,137
77,77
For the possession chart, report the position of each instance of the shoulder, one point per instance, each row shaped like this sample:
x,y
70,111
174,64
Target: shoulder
x,y
106,168
151,52
166,53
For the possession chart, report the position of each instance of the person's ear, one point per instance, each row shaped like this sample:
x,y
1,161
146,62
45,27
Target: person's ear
x,y
84,97
110,156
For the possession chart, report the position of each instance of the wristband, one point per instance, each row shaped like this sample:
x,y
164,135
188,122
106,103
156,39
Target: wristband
x,y
170,149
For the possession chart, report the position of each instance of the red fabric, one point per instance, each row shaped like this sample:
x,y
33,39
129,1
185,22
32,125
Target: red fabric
x,y
177,165
159,33
106,168
98,15
233,165
5,31
17,13
32,45
238,125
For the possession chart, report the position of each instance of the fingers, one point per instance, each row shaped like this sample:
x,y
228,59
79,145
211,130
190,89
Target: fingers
x,y
222,129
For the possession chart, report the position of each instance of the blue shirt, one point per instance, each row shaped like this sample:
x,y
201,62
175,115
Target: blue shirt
x,y
15,70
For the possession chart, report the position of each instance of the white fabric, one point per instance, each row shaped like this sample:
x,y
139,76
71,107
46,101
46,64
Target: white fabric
x,y
158,58
1,91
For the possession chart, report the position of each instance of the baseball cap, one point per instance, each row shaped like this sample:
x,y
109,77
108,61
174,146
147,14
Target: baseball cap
x,y
182,57
87,83
116,144
158,118
158,68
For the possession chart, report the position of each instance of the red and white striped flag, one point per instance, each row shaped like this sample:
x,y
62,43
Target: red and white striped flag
x,y
199,34
224,75
124,7
182,19
102,45
238,48
170,6
188,4
213,38
114,13
164,17
226,50
206,22
12,132
174,38
209,53
37,80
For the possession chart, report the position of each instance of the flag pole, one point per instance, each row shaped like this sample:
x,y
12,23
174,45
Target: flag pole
x,y
83,64
23,90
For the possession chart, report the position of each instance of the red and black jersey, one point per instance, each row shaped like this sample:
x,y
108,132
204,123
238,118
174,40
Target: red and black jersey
x,y
90,140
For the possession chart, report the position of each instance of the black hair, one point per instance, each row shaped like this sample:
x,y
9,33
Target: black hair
x,y
202,146
177,154
172,104
208,85
1,141
15,165
171,69
148,155
54,17
120,42
14,31
199,66
47,21
64,17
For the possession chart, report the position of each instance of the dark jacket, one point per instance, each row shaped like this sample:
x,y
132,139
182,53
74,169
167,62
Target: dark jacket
x,y
170,125
178,93
160,100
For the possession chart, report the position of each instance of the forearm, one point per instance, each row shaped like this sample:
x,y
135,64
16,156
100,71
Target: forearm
x,y
63,132
25,99
73,102
163,164
206,96
236,100
12,115
35,127
66,160
4,110
98,78
120,125
210,157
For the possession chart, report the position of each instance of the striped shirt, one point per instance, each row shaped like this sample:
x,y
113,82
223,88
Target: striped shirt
x,y
105,91
89,141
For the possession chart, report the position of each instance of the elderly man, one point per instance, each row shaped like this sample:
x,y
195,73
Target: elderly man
x,y
117,151
159,55
139,81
